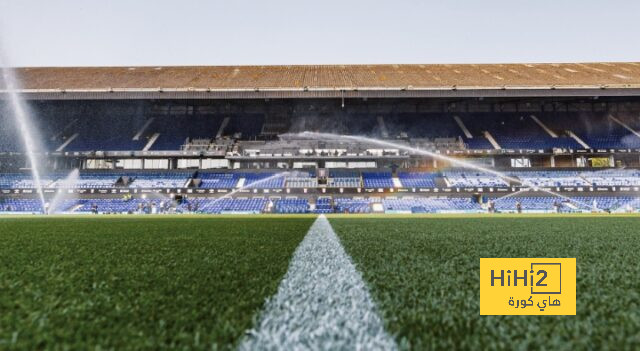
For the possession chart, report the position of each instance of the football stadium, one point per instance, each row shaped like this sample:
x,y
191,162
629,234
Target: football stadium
x,y
380,139
314,207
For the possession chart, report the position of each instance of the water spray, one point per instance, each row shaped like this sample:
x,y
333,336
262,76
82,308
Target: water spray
x,y
464,164
63,186
250,186
25,126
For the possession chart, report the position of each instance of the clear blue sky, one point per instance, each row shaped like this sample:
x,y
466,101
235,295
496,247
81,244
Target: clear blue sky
x,y
191,32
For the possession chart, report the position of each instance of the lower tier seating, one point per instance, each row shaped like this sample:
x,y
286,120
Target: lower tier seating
x,y
324,205
472,178
159,180
417,179
343,205
343,179
263,180
218,180
622,203
291,206
377,179
550,203
21,205
430,205
240,205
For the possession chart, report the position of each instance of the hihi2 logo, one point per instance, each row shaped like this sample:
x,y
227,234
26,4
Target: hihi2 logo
x,y
527,286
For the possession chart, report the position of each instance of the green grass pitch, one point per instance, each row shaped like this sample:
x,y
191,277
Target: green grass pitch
x,y
424,275
160,282
138,283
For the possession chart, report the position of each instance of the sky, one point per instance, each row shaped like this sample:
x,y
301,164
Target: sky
x,y
272,32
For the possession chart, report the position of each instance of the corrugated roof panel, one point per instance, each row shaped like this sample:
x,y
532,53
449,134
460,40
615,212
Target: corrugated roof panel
x,y
361,77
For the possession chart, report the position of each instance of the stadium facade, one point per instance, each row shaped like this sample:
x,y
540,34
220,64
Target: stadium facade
x,y
438,138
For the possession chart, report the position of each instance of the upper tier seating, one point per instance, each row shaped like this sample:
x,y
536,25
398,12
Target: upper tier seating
x,y
423,125
478,143
248,126
109,126
175,130
512,131
536,142
631,120
597,130
613,141
104,133
361,124
101,127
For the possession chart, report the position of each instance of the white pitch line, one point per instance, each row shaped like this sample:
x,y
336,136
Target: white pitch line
x,y
322,303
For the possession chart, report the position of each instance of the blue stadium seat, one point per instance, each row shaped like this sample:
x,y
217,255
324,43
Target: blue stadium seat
x,y
472,178
21,205
291,206
263,180
430,205
218,180
346,205
159,179
377,179
343,179
216,206
324,205
417,179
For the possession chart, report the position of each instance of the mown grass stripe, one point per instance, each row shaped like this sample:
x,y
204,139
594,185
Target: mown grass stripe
x,y
117,283
322,302
423,274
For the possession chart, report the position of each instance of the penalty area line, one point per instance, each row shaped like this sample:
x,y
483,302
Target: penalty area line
x,y
322,303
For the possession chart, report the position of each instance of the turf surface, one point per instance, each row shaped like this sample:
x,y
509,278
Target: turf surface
x,y
423,274
138,283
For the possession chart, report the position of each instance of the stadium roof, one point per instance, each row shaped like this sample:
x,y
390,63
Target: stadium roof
x,y
573,79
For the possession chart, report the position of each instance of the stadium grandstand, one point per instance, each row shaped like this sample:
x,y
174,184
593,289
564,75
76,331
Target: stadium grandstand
x,y
328,139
